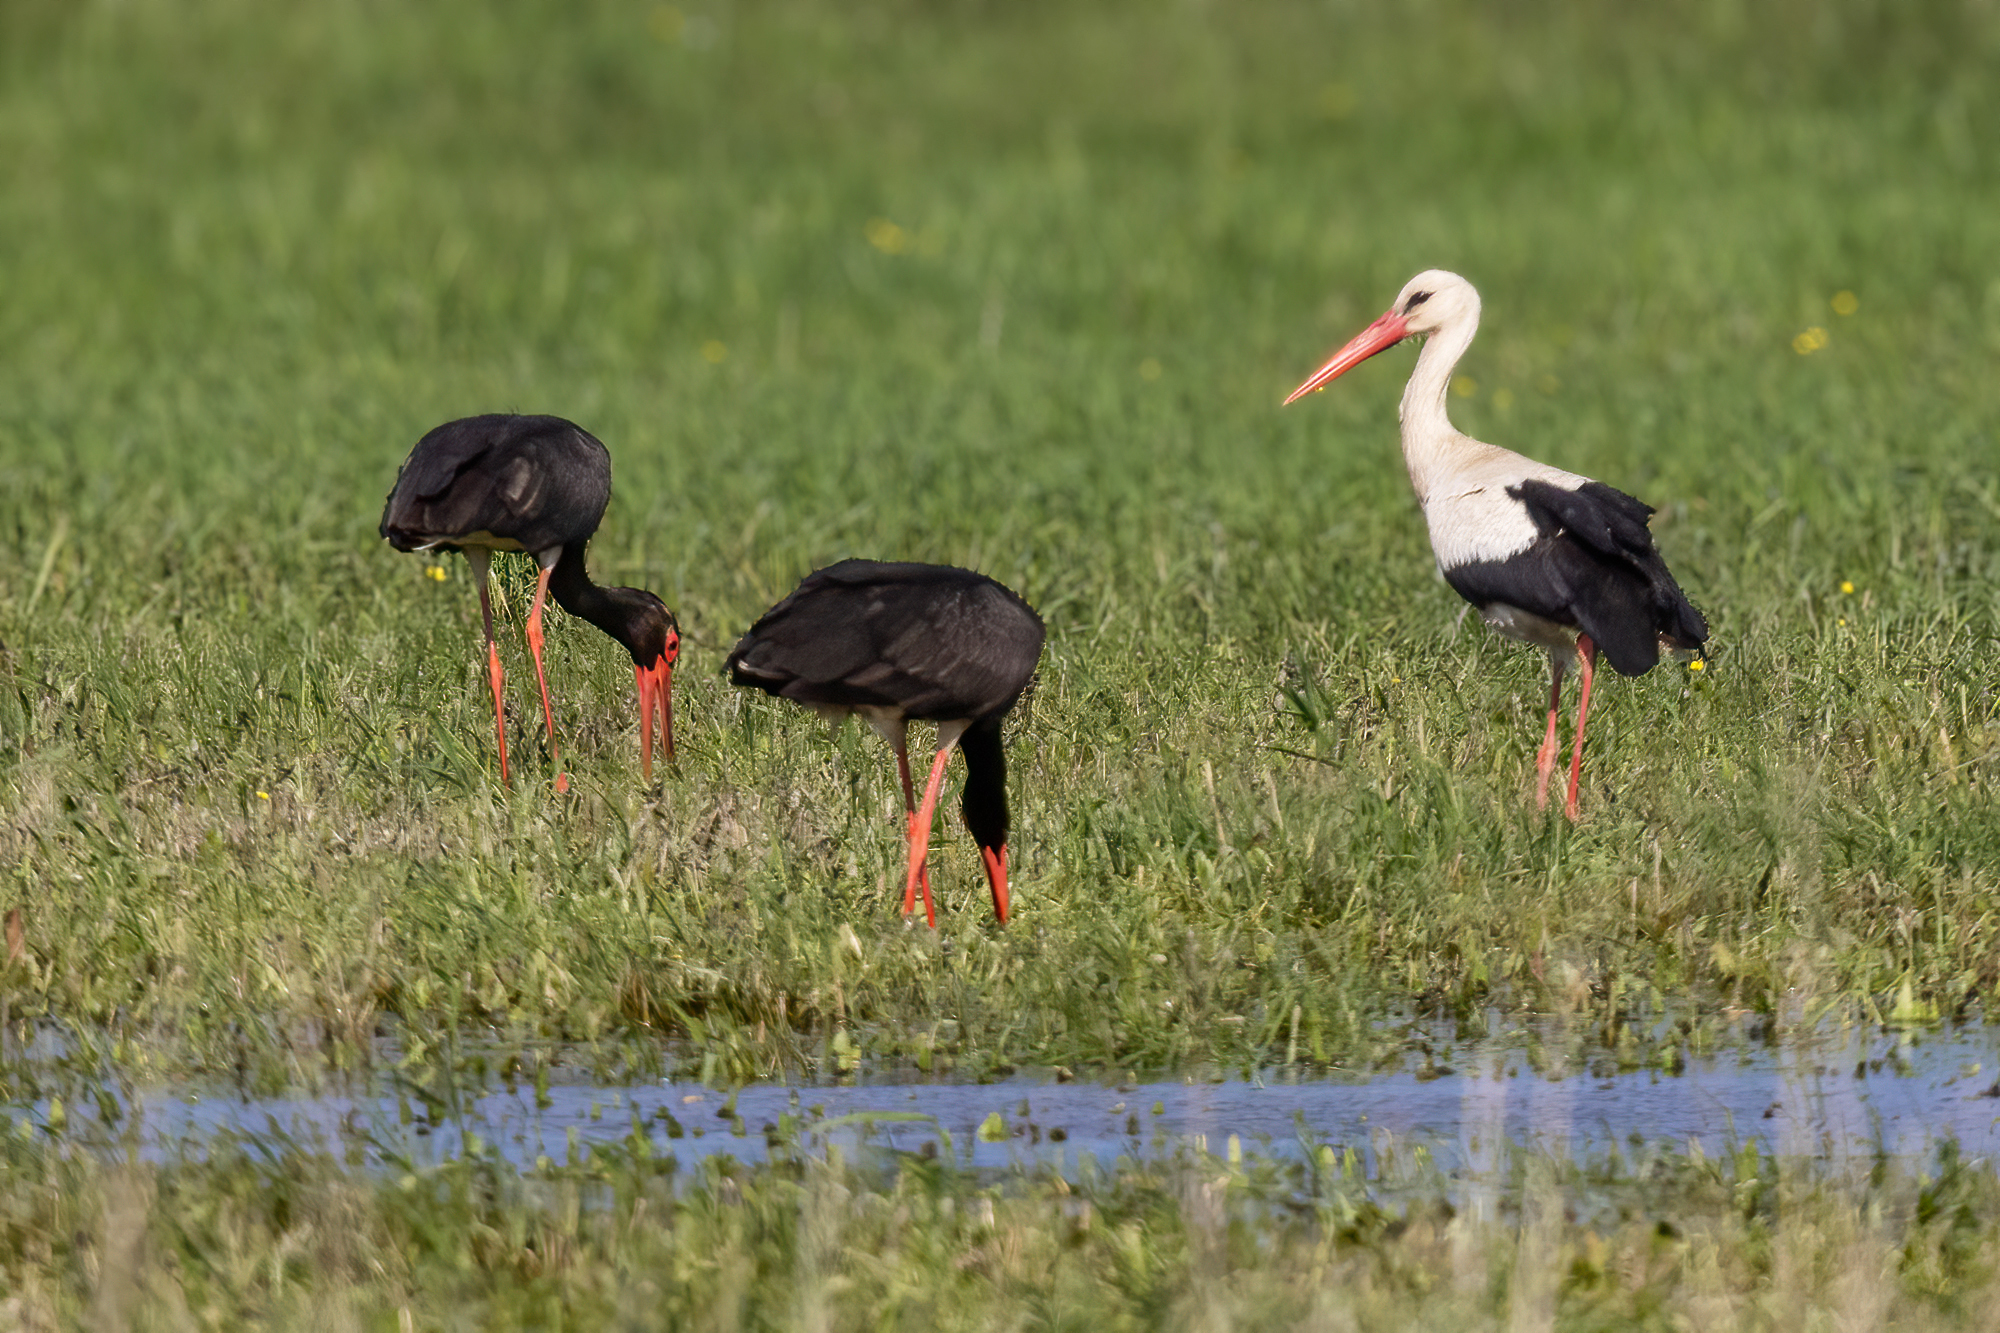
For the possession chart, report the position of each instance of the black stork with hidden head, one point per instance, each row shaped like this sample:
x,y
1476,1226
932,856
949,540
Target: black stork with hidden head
x,y
539,485
898,643
1554,559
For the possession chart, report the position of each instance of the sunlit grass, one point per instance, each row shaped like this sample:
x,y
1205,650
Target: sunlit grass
x,y
1022,292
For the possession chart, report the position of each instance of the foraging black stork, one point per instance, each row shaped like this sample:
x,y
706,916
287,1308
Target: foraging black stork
x,y
902,642
534,484
1549,557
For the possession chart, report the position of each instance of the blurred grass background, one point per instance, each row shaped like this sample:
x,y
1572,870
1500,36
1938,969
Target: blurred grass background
x,y
1019,287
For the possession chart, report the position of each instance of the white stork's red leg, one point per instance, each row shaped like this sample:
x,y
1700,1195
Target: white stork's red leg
x,y
1545,758
541,677
920,833
1586,653
479,558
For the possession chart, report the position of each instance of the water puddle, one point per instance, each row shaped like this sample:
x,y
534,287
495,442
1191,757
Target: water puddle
x,y
1838,1101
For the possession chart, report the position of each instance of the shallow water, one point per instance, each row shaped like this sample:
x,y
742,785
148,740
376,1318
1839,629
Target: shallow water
x,y
1835,1100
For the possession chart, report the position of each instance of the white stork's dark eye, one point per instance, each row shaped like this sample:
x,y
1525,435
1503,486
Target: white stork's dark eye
x,y
1416,301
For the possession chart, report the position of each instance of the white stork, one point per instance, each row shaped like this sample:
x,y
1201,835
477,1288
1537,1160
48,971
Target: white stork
x,y
1549,557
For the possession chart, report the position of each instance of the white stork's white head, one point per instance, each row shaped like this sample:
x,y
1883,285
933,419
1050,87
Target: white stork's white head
x,y
1432,300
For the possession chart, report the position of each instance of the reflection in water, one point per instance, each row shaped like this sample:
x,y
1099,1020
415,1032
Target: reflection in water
x,y
1830,1100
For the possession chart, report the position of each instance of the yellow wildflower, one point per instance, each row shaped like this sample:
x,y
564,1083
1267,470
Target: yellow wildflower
x,y
1844,303
667,23
715,352
435,573
1809,341
886,236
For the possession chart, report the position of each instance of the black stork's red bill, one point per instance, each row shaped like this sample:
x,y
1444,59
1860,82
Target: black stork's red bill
x,y
898,643
539,485
1551,558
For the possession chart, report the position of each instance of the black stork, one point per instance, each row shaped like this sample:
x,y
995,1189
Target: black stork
x,y
898,643
1551,558
539,485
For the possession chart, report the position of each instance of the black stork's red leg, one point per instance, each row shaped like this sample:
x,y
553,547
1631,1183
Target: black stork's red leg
x,y
898,735
479,558
920,830
542,677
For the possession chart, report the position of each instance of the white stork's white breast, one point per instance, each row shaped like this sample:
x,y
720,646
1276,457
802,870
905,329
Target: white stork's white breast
x,y
1473,518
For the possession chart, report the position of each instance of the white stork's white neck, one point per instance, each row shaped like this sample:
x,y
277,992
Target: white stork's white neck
x,y
1429,441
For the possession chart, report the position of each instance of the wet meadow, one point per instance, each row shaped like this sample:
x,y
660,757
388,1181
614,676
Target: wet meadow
x,y
1017,287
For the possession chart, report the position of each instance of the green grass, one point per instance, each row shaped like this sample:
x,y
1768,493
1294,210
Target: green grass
x,y
1020,287
1271,788
284,1234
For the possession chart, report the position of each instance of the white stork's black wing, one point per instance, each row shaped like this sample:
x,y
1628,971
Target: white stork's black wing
x,y
1598,554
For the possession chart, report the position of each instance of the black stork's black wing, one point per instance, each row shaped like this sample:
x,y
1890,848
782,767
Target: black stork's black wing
x,y
932,641
540,481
